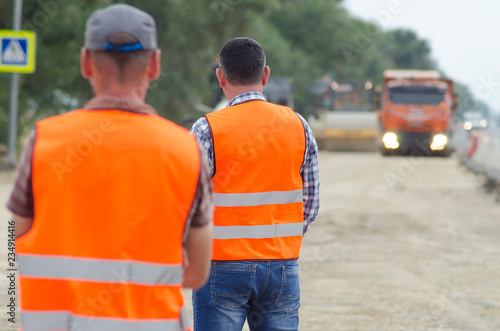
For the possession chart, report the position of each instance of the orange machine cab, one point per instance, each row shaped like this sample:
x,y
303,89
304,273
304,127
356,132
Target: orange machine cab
x,y
417,112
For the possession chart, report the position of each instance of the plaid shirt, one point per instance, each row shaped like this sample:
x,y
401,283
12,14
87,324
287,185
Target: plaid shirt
x,y
309,170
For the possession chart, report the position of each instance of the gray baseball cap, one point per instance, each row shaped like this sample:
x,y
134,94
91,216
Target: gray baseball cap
x,y
120,19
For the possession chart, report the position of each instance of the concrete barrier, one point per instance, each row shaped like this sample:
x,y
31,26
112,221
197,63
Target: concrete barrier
x,y
483,153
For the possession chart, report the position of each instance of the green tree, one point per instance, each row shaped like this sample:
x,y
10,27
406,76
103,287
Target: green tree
x,y
406,50
468,102
56,85
190,34
304,40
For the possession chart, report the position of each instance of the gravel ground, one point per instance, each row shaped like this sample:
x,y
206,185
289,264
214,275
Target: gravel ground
x,y
400,244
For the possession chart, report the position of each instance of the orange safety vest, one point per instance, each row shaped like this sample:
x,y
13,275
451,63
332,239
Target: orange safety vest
x,y
259,151
112,191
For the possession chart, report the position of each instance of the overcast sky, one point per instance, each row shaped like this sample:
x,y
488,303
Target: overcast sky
x,y
464,36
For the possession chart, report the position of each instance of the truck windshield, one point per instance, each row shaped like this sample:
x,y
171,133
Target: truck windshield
x,y
416,95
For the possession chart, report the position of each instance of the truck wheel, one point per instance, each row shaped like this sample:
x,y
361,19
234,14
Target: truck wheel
x,y
446,152
387,152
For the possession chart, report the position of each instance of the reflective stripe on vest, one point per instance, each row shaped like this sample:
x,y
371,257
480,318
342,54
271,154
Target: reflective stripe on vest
x,y
259,150
257,199
63,320
99,270
258,231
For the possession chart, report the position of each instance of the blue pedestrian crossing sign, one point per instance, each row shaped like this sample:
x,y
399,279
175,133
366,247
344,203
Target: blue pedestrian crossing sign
x,y
17,51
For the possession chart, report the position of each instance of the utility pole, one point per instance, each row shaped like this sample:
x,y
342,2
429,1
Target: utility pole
x,y
10,159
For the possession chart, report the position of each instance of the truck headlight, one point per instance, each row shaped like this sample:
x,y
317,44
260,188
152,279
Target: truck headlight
x,y
439,142
390,140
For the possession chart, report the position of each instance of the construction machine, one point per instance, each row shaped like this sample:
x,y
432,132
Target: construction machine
x,y
343,118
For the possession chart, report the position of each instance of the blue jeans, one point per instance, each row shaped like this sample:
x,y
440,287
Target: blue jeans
x,y
266,293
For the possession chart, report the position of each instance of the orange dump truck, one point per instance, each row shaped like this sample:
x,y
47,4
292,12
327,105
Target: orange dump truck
x,y
416,113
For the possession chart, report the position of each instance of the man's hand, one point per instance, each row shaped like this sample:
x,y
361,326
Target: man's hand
x,y
23,224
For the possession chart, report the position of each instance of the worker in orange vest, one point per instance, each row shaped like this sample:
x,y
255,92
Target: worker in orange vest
x,y
264,165
112,203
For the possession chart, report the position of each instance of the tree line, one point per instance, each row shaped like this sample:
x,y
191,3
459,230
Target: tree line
x,y
304,40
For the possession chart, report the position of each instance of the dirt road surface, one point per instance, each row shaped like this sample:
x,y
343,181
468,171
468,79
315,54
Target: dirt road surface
x,y
400,244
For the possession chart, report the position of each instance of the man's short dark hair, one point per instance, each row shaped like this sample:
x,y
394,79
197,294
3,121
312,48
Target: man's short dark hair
x,y
243,61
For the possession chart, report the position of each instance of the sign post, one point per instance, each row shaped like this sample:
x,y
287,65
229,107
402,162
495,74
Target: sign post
x,y
17,55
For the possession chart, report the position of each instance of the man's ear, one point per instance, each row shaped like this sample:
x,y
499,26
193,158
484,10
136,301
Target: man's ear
x,y
221,77
265,75
154,67
85,66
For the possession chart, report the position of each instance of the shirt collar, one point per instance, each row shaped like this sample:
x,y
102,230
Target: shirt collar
x,y
109,102
245,97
